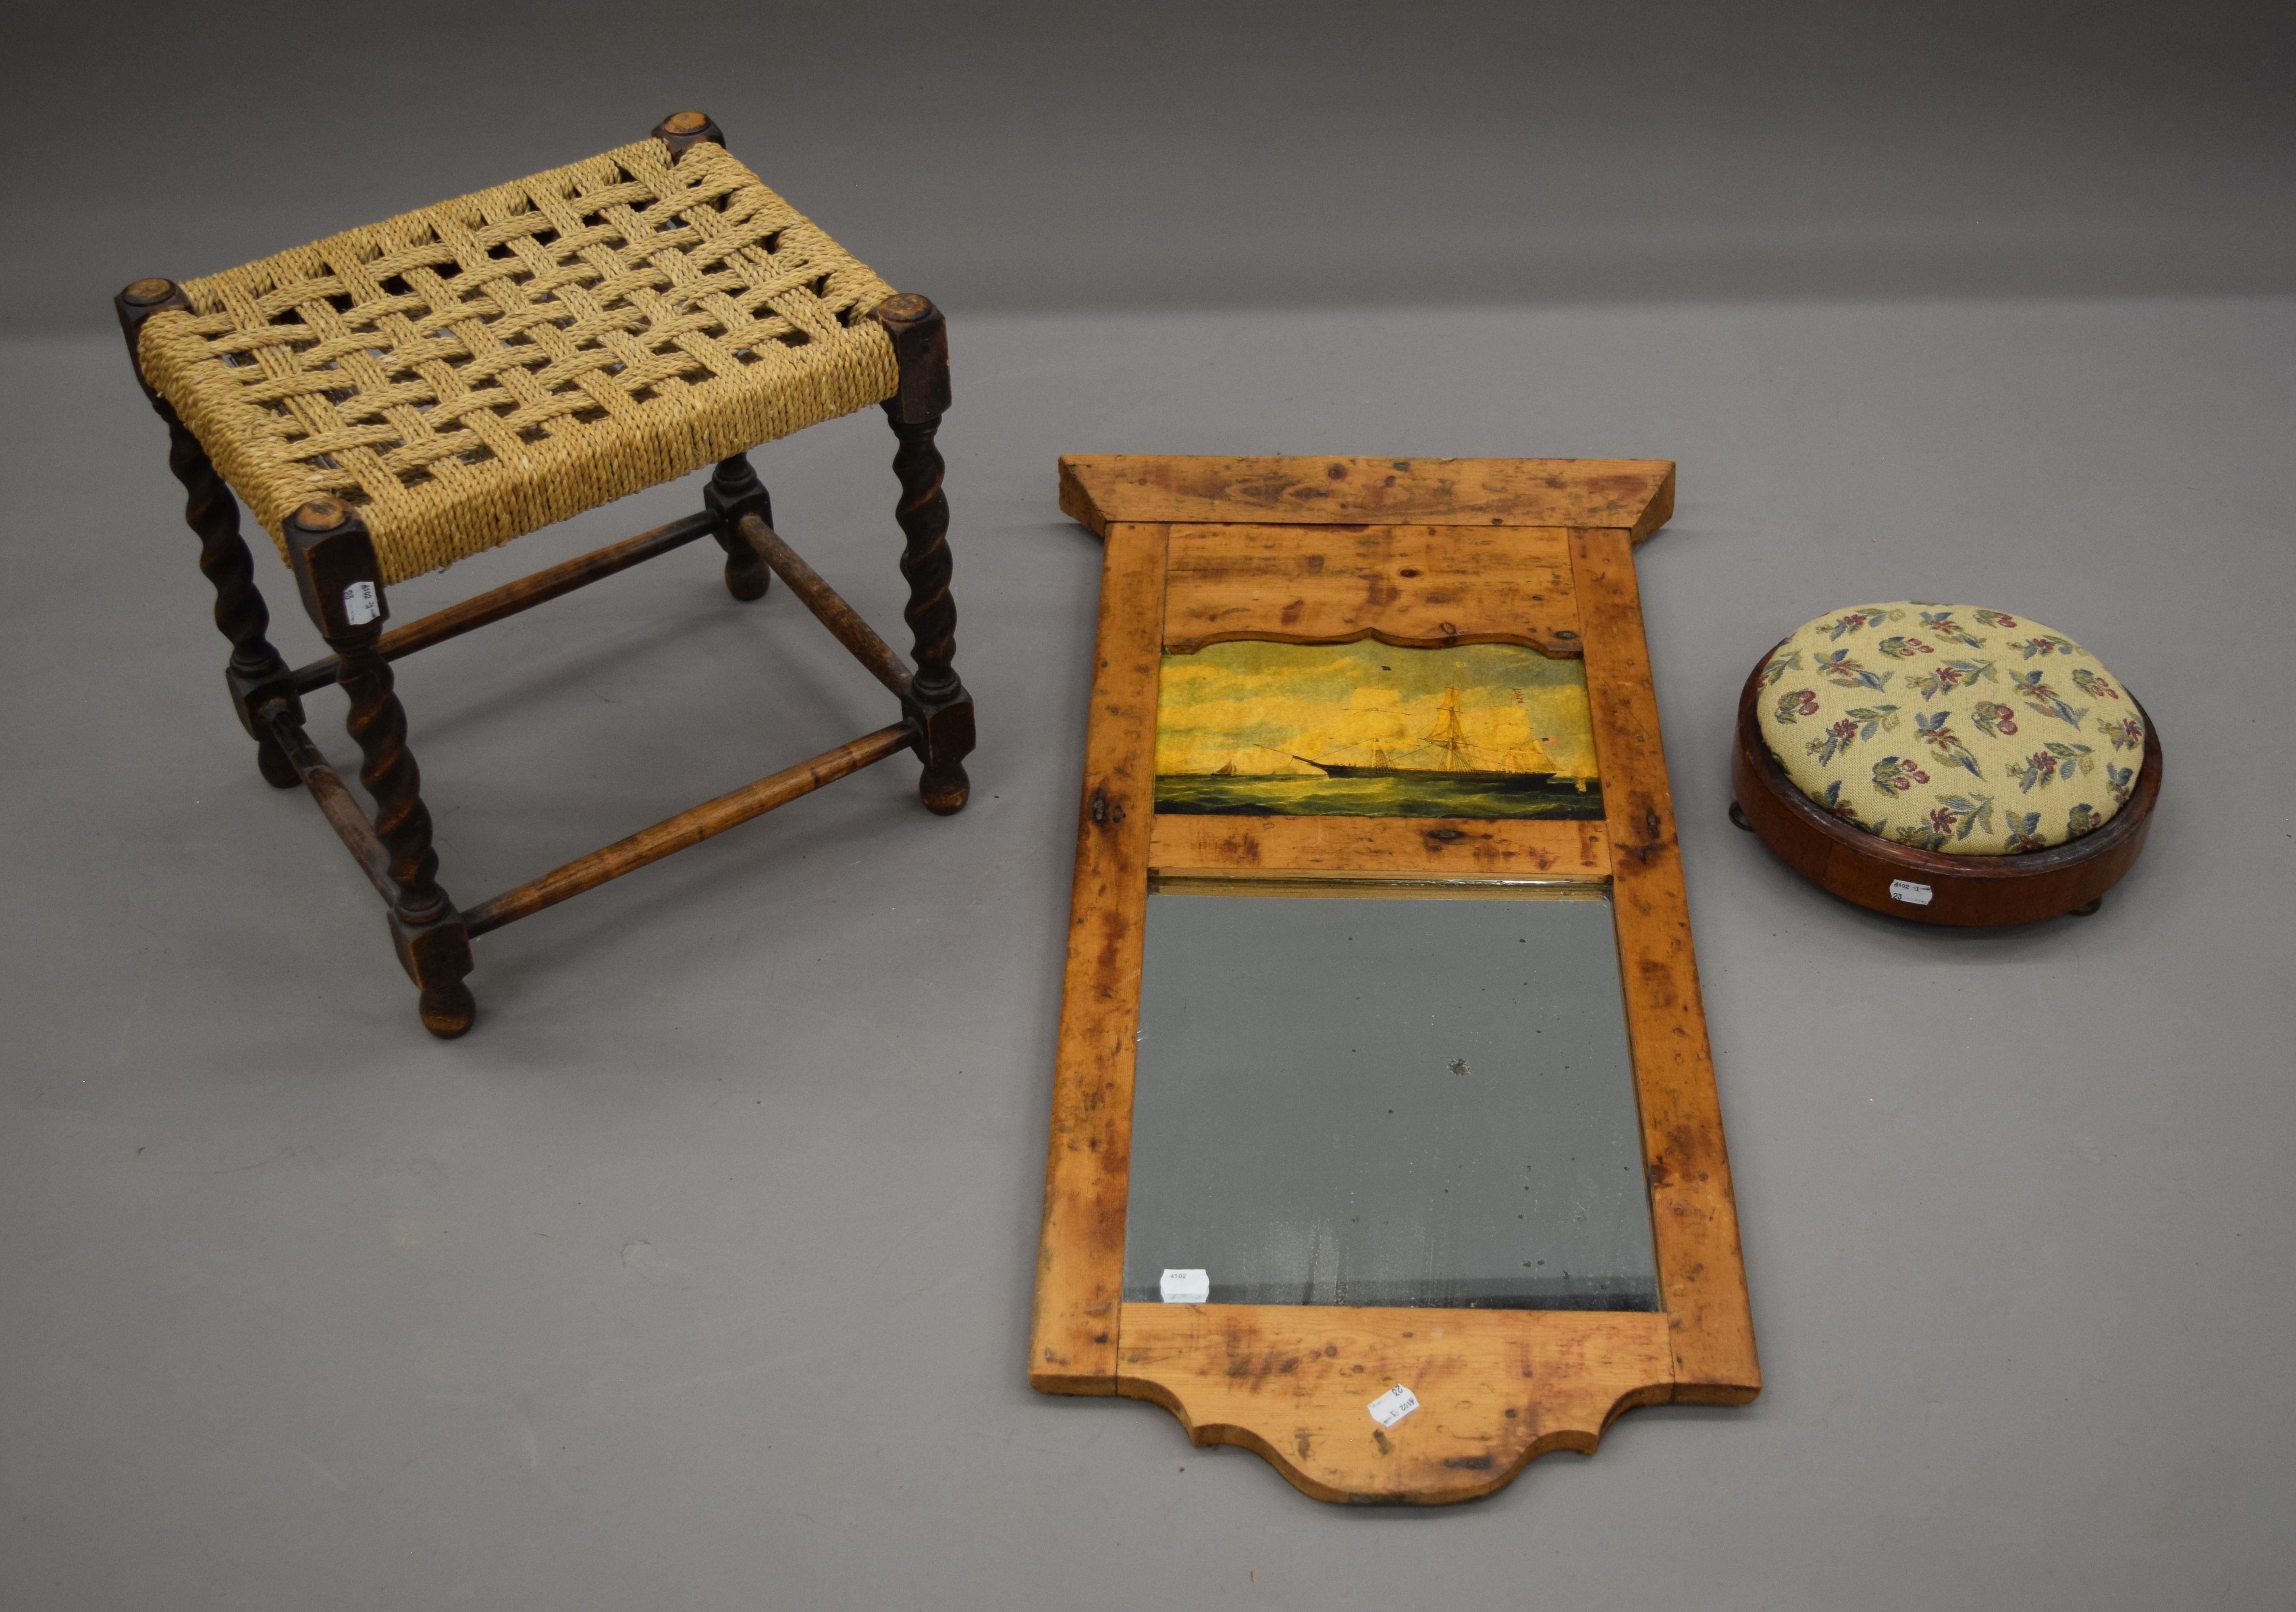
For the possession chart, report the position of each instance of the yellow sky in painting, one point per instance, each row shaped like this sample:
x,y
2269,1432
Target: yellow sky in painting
x,y
1259,705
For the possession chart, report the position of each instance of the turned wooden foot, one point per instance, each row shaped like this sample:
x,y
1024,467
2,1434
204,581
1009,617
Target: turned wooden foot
x,y
944,790
449,1010
271,762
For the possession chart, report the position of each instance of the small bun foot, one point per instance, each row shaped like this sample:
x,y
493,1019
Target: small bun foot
x,y
271,762
2087,909
449,1010
1738,817
945,793
747,581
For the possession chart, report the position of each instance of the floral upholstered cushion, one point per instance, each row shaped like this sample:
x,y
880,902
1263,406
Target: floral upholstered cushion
x,y
1952,728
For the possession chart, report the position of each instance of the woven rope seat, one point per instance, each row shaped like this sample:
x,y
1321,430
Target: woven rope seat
x,y
1948,762
465,373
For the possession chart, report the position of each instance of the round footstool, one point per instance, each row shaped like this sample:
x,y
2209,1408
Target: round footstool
x,y
1944,763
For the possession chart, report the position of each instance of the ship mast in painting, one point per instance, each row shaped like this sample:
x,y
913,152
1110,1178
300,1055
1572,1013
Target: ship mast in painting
x,y
1449,739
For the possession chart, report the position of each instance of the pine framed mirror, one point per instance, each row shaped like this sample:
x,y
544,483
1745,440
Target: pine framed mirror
x,y
1384,1135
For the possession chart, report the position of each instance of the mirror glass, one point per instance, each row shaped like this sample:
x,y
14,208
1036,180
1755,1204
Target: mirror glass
x,y
1348,1094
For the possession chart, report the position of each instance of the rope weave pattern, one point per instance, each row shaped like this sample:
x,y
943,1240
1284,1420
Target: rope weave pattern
x,y
468,372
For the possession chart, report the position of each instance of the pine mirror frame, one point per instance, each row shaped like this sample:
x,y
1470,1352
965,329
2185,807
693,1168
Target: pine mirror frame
x,y
1415,553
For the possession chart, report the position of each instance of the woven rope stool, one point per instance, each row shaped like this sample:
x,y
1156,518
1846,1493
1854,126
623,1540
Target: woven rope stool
x,y
392,399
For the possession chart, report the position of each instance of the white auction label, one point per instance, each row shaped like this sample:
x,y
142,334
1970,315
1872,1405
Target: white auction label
x,y
1186,1287
1907,890
359,603
1392,1406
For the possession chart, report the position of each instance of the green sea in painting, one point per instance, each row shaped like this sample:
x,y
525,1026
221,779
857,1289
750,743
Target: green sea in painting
x,y
1367,730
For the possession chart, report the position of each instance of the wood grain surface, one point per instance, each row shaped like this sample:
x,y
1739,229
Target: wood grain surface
x,y
1295,1383
1695,1216
1637,495
1459,848
1081,1257
1415,586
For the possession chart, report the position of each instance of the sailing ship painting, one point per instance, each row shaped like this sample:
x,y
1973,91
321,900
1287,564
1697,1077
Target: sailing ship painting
x,y
1453,759
1364,730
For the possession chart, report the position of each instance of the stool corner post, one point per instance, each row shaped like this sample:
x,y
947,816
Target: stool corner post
x,y
340,578
256,676
681,130
734,493
937,702
135,304
437,957
337,572
919,335
945,738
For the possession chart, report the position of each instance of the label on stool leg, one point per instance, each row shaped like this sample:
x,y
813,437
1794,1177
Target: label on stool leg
x,y
1908,891
360,605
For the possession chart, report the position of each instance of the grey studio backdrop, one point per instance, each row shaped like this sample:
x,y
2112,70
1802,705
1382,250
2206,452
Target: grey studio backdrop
x,y
699,1274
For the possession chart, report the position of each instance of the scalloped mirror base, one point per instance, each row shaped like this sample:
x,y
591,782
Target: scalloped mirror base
x,y
1294,1383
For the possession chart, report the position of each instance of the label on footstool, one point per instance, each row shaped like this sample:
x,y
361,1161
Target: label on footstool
x,y
1907,890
